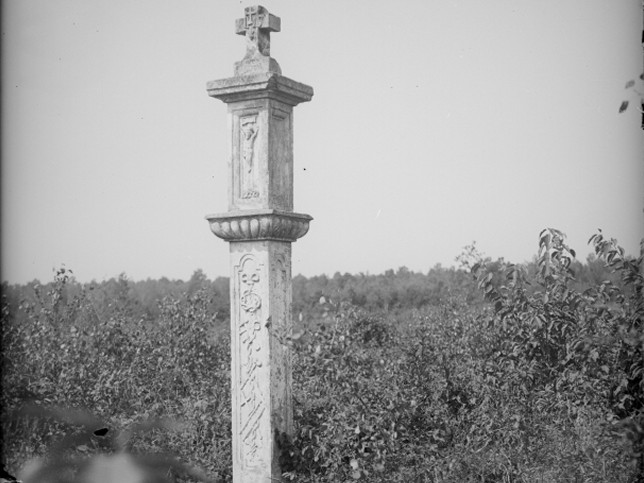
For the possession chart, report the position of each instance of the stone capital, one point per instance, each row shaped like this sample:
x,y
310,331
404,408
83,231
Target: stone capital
x,y
263,85
254,225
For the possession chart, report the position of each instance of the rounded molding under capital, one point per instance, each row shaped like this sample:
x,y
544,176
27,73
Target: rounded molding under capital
x,y
255,225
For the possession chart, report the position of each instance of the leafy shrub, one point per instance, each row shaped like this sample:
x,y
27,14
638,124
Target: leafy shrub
x,y
59,350
543,383
574,356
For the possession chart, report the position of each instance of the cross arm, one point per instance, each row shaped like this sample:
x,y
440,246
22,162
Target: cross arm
x,y
268,22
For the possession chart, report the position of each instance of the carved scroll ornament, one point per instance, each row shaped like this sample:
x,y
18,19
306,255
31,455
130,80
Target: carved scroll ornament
x,y
252,399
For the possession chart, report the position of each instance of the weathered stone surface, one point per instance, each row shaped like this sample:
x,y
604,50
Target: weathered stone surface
x,y
261,366
260,149
257,26
260,227
260,85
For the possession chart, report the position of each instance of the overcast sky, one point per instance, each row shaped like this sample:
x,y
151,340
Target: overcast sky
x,y
433,124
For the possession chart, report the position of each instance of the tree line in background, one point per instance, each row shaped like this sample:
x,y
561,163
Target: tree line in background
x,y
489,372
394,290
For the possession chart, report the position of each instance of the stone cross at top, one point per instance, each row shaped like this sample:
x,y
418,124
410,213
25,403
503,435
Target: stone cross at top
x,y
260,227
257,26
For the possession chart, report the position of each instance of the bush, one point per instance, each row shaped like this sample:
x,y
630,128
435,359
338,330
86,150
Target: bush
x,y
542,383
59,350
574,359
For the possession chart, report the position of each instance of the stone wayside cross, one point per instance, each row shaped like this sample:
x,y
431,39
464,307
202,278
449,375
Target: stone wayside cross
x,y
260,227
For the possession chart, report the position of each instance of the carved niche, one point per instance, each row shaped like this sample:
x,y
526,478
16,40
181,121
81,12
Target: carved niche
x,y
248,165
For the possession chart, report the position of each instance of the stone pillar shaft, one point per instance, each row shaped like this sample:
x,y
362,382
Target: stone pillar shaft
x,y
261,368
260,227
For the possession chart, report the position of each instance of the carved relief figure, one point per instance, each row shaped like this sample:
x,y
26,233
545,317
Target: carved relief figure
x,y
248,133
250,365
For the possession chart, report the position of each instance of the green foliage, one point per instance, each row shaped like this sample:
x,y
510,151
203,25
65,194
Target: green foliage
x,y
573,354
59,349
545,385
399,377
391,291
631,86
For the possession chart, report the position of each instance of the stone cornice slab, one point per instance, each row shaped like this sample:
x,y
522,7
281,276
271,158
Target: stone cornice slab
x,y
260,86
252,225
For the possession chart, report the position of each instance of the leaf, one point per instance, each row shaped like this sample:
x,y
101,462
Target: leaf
x,y
623,107
545,238
354,464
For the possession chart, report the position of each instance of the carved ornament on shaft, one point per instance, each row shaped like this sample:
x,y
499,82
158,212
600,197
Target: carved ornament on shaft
x,y
251,396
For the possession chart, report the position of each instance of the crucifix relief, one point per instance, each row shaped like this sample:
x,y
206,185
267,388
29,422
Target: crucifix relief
x,y
249,132
257,26
248,175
